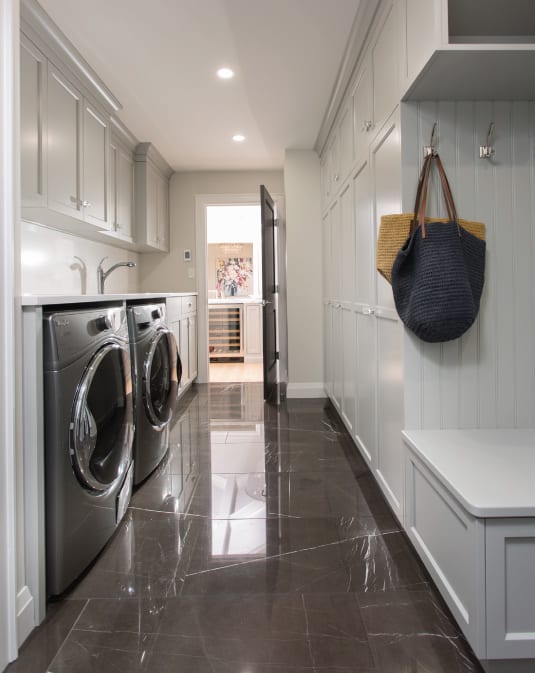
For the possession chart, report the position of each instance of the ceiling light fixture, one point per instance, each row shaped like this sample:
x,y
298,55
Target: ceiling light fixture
x,y
238,138
225,73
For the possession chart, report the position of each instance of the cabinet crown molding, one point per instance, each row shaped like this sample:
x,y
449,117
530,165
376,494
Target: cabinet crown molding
x,y
146,151
35,22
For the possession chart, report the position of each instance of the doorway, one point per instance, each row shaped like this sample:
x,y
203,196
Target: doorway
x,y
202,203
234,292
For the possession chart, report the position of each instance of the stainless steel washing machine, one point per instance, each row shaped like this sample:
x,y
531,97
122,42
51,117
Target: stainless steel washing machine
x,y
157,372
88,402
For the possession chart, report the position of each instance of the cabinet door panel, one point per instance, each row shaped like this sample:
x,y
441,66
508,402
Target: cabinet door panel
x,y
345,135
362,110
253,330
365,387
125,192
364,238
63,144
338,358
163,213
385,63
95,167
33,87
347,244
327,261
386,155
192,346
152,207
328,348
183,348
349,335
390,458
336,251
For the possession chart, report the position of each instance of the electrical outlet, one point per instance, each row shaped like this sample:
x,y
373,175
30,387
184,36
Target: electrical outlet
x,y
191,273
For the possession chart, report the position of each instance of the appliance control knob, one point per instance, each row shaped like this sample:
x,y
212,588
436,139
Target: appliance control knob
x,y
103,323
157,314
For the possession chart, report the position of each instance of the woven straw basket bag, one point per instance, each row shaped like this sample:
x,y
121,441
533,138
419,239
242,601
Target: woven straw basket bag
x,y
394,231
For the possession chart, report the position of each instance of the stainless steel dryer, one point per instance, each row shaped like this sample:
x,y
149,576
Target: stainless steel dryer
x,y
157,372
88,436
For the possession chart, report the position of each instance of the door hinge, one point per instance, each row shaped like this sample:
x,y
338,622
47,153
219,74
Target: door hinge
x,y
277,355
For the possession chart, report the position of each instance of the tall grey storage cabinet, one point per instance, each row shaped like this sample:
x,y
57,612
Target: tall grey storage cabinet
x,y
152,198
459,65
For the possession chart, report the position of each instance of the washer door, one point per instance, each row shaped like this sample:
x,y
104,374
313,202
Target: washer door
x,y
102,420
161,378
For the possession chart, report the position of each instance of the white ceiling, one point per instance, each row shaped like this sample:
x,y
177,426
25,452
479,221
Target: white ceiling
x,y
159,58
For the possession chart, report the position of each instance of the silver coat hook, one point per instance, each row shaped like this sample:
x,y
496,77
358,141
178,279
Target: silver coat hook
x,y
487,151
431,150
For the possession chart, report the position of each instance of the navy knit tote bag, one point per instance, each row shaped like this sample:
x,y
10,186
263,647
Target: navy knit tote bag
x,y
438,275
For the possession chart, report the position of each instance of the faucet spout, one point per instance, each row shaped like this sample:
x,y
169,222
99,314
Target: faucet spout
x,y
102,275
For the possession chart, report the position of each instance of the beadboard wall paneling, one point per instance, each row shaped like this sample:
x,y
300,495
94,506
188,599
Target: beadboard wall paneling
x,y
485,379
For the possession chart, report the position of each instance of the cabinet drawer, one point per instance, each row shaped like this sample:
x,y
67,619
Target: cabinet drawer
x,y
189,304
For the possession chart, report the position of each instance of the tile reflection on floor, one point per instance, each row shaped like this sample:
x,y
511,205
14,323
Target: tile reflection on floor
x,y
261,544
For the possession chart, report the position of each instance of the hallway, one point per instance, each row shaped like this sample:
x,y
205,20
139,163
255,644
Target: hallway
x,y
260,545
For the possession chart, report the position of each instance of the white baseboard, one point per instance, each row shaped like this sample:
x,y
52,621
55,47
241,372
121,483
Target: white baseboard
x,y
305,390
25,614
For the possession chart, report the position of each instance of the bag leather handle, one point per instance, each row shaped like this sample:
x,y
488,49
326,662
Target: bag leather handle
x,y
421,194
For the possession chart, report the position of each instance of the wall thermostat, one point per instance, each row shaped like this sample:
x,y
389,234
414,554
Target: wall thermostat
x,y
187,255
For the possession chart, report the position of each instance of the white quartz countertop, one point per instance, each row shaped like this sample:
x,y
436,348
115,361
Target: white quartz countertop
x,y
53,299
490,472
236,300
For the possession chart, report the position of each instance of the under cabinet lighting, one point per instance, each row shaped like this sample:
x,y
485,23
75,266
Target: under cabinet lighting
x,y
238,138
225,73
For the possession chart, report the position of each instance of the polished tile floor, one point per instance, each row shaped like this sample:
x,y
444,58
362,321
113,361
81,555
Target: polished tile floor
x,y
260,545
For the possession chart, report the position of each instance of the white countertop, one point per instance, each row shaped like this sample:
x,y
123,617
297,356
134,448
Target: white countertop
x,y
236,300
53,299
490,472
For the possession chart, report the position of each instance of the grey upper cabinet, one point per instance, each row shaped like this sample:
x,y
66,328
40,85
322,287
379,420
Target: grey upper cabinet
x,y
33,110
77,139
95,167
122,204
64,106
152,175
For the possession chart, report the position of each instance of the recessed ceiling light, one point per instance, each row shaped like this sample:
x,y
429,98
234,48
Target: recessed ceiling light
x,y
238,138
225,73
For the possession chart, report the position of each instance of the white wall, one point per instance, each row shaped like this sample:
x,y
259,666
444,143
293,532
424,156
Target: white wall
x,y
54,262
168,271
487,378
304,273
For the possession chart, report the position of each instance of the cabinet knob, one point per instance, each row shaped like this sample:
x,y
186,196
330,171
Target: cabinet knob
x,y
367,126
85,204
336,177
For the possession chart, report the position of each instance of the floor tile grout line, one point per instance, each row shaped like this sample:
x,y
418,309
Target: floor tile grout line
x,y
84,608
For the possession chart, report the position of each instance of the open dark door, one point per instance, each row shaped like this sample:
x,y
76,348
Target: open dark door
x,y
269,292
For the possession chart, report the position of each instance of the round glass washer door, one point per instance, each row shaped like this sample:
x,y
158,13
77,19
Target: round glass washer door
x,y
102,426
161,377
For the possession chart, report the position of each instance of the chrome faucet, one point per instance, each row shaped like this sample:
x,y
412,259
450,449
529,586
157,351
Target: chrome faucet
x,y
102,275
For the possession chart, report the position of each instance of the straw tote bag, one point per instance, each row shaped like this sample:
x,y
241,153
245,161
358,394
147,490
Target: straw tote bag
x,y
438,275
395,229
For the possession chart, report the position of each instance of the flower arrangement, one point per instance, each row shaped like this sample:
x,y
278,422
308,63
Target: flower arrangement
x,y
232,276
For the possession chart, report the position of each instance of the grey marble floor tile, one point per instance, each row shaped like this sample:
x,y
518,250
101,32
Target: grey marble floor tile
x,y
382,563
262,633
413,631
43,643
92,652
